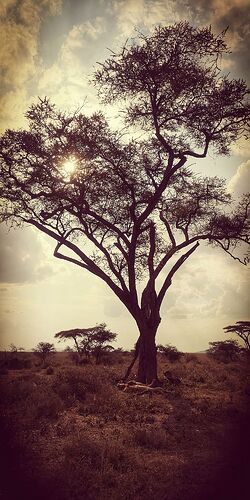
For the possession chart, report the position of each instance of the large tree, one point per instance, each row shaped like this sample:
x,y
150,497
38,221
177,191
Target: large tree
x,y
131,211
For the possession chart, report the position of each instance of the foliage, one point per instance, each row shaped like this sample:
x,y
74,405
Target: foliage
x,y
224,350
171,352
242,329
178,105
90,341
44,350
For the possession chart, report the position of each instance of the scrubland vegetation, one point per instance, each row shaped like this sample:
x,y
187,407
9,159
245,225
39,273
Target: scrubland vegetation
x,y
70,433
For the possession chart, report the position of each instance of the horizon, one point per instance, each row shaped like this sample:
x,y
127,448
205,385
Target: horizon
x,y
51,50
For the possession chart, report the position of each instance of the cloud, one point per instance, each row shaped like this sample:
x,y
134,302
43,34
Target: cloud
x,y
209,285
22,257
234,14
144,14
240,182
66,80
20,25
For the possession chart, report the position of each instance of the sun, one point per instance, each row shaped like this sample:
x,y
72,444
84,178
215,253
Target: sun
x,y
68,167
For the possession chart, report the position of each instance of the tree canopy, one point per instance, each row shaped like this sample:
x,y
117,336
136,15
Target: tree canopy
x,y
242,329
132,207
93,340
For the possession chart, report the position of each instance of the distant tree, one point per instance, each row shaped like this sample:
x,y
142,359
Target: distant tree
x,y
44,350
171,352
132,211
224,350
68,349
90,341
100,341
15,349
242,329
74,335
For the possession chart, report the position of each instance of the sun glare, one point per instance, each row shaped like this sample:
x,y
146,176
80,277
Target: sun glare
x,y
69,167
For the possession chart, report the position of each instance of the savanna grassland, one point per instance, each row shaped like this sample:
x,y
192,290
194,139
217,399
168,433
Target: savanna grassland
x,y
68,432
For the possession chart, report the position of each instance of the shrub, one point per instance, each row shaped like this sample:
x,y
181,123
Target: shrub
x,y
171,352
150,438
16,363
43,403
69,385
95,468
224,350
190,357
16,391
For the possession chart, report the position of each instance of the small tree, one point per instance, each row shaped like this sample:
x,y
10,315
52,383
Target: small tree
x,y
44,350
99,341
74,335
171,352
91,340
242,329
224,350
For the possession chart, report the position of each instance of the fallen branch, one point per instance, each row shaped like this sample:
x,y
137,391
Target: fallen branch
x,y
139,388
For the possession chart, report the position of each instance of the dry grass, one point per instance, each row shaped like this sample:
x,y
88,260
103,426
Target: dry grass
x,y
69,433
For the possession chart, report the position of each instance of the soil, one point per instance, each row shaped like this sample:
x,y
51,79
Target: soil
x,y
69,432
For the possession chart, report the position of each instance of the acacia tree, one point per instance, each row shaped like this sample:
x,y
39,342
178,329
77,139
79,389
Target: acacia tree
x,y
242,329
89,341
75,335
132,212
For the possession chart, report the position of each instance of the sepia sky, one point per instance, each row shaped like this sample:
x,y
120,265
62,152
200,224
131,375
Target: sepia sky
x,y
50,48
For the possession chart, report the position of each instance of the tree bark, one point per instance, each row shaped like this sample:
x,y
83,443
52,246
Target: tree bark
x,y
147,367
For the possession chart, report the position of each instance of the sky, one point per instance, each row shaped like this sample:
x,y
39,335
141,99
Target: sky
x,y
51,48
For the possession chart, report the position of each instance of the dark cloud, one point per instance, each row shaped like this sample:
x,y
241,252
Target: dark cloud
x,y
231,14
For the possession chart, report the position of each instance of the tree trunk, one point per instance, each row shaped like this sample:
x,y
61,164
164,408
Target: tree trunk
x,y
147,368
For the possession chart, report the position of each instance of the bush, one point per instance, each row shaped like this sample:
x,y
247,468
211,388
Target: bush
x,y
151,438
95,468
69,385
171,353
43,403
16,391
224,350
189,357
15,363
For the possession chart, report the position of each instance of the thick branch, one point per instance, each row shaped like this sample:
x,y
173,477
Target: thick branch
x,y
90,265
168,279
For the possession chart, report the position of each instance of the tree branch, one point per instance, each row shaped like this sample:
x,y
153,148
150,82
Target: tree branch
x,y
168,279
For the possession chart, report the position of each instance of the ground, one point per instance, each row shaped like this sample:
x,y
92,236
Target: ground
x,y
68,432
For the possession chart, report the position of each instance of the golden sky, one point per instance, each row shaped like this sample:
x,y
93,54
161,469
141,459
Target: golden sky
x,y
50,48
